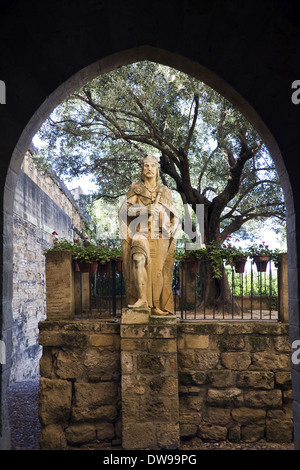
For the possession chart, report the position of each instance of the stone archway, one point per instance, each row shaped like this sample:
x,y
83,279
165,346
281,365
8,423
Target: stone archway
x,y
76,81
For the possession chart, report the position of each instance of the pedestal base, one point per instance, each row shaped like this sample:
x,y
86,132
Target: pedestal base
x,y
135,316
143,316
162,319
149,386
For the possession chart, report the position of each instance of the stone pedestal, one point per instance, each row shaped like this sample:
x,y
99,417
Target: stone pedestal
x,y
59,285
150,405
137,316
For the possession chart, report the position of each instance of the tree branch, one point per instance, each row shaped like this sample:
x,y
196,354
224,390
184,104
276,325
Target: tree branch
x,y
192,128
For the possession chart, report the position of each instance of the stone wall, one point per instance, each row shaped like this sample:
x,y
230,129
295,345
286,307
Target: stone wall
x,y
79,392
42,204
234,383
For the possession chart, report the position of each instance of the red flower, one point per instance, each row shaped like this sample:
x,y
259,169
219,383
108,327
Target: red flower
x,y
54,233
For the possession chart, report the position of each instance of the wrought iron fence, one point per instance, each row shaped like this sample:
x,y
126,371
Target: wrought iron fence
x,y
251,295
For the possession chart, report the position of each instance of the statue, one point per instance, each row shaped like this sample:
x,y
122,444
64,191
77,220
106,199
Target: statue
x,y
148,242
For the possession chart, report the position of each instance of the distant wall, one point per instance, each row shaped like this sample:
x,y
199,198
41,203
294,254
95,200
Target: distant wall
x,y
42,204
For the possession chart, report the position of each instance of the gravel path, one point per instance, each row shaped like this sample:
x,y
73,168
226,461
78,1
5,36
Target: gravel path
x,y
25,425
23,413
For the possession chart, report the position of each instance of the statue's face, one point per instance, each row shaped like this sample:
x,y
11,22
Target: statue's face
x,y
149,169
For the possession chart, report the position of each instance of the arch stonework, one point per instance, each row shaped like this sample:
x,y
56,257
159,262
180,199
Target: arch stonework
x,y
200,40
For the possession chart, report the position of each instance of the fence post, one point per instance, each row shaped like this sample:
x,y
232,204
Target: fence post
x,y
283,288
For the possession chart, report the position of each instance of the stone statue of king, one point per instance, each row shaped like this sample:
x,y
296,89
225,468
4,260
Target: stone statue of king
x,y
147,227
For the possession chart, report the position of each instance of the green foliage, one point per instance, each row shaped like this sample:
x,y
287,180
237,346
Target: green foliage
x,y
226,252
86,251
107,126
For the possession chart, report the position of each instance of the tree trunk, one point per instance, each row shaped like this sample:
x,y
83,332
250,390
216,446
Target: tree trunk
x,y
216,296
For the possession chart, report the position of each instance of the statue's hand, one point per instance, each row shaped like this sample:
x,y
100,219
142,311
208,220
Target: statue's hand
x,y
156,209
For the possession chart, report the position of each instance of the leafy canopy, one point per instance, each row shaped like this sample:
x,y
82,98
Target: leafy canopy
x,y
209,153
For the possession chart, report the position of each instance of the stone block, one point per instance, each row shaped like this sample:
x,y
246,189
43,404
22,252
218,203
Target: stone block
x,y
210,432
282,344
68,364
229,397
248,415
195,402
162,320
258,343
139,435
279,430
255,379
270,361
263,398
188,430
54,401
164,385
197,341
161,346
98,412
105,431
158,408
252,433
102,393
205,359
132,316
150,363
94,400
101,340
220,416
136,384
53,438
221,378
192,378
168,435
236,360
59,285
128,362
101,364
130,408
80,433
283,380
232,343
148,331
234,434
46,366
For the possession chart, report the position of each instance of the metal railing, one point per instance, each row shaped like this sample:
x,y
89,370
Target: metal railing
x,y
250,295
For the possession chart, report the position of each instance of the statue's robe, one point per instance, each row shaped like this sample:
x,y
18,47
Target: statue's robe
x,y
159,251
